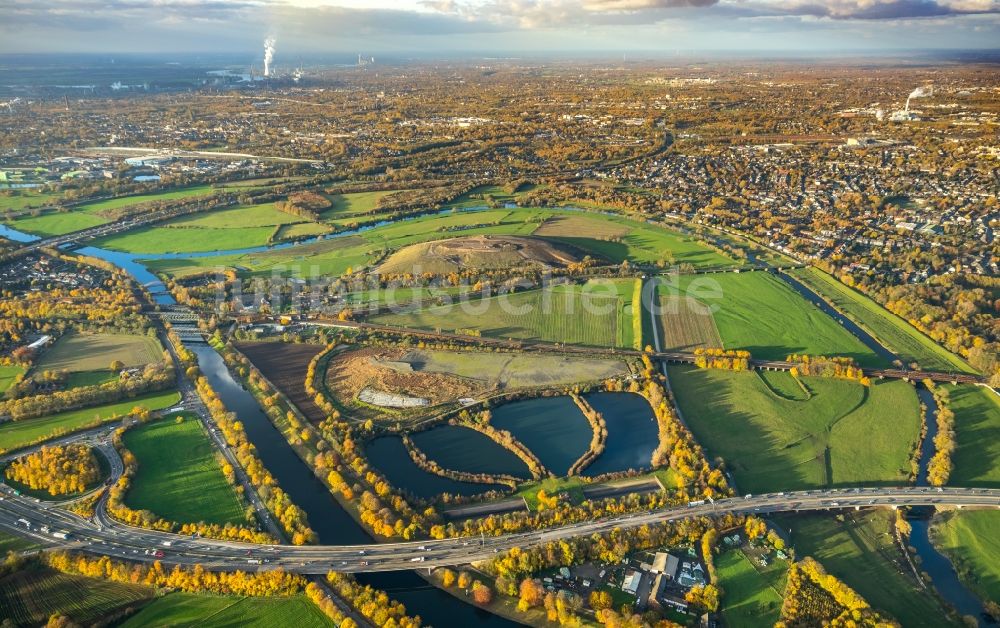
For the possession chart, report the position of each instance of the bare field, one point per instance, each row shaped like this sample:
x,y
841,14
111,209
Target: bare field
x,y
686,324
285,364
444,376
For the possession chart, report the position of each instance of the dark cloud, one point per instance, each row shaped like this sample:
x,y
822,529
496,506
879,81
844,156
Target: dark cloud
x,y
879,9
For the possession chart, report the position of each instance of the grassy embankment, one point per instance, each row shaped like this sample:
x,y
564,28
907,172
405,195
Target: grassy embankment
x,y
892,331
843,435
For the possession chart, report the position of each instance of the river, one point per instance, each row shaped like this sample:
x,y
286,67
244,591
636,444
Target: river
x,y
938,567
330,521
334,526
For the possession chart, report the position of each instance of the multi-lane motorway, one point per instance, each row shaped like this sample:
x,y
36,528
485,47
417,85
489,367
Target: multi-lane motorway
x,y
102,536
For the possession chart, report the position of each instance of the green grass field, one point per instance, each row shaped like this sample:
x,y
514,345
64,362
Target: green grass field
x,y
597,314
7,376
977,428
643,243
861,551
896,334
24,198
29,596
57,223
179,610
11,543
971,542
762,314
354,203
14,435
843,435
179,477
752,598
76,352
89,378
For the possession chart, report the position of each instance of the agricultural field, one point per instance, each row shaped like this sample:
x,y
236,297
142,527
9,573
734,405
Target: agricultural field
x,y
78,352
284,365
191,610
7,376
860,550
51,223
752,597
896,334
16,434
762,314
970,541
25,198
179,477
977,429
685,324
596,313
844,434
30,596
234,228
354,203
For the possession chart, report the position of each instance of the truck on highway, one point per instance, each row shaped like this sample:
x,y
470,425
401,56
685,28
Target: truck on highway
x,y
253,561
167,543
700,502
61,534
24,522
418,559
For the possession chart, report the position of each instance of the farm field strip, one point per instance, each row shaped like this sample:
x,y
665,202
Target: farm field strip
x,y
760,313
16,434
686,324
976,460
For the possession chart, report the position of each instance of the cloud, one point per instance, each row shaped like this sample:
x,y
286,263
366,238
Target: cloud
x,y
877,9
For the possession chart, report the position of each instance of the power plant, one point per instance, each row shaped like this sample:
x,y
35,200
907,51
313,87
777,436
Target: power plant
x,y
904,115
268,55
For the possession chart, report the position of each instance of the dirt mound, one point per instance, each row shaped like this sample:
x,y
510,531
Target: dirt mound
x,y
481,252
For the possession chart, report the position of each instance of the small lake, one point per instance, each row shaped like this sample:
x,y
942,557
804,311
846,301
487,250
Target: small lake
x,y
464,449
389,456
632,432
552,427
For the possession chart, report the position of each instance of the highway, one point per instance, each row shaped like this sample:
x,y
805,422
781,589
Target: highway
x,y
39,520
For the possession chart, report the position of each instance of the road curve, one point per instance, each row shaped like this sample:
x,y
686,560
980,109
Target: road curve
x,y
116,540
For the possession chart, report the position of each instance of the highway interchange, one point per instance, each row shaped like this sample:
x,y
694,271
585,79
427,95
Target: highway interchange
x,y
40,520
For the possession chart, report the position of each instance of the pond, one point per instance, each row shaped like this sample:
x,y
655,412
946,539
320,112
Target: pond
x,y
552,427
632,432
330,521
389,456
464,449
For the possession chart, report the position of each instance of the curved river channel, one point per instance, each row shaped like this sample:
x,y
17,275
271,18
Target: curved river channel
x,y
334,526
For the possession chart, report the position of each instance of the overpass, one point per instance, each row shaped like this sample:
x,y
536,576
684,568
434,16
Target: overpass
x,y
101,535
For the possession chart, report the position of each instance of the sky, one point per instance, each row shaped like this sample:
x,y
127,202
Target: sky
x,y
448,28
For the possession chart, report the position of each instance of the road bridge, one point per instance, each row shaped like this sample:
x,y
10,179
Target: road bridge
x,y
103,536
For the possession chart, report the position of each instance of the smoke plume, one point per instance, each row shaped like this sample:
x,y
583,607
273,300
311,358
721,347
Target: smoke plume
x,y
268,54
